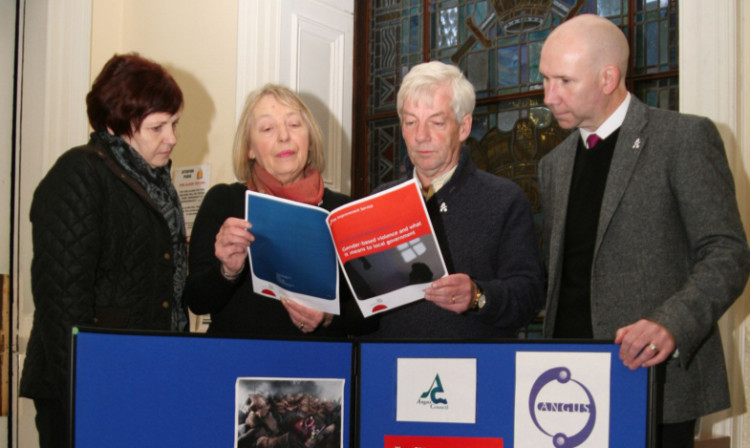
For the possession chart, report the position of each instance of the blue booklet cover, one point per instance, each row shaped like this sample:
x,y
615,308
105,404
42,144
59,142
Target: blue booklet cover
x,y
293,254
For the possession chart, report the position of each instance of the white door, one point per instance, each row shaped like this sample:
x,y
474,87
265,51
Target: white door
x,y
306,45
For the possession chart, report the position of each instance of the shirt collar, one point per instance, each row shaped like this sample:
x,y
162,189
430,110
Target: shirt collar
x,y
611,124
438,182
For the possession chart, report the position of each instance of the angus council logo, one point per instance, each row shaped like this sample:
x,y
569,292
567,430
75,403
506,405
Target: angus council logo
x,y
436,390
432,397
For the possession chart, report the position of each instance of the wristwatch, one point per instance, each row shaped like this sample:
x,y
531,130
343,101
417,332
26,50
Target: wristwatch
x,y
480,300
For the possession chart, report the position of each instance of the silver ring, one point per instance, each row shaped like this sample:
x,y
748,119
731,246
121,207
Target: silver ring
x,y
301,326
652,347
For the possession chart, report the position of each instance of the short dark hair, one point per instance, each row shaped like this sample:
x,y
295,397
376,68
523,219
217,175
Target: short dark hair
x,y
128,89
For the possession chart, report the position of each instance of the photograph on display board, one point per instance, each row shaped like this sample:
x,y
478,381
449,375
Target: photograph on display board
x,y
289,412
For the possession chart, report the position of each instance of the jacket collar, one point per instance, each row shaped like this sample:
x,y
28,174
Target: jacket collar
x,y
630,144
464,169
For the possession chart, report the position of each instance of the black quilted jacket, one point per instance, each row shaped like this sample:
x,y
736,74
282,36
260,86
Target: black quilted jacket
x,y
102,257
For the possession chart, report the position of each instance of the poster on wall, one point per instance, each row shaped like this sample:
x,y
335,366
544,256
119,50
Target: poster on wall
x,y
191,183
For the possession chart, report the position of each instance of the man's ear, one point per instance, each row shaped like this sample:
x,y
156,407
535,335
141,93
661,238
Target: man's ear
x,y
464,127
609,78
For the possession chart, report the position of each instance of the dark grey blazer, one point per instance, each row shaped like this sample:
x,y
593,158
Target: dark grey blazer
x,y
670,246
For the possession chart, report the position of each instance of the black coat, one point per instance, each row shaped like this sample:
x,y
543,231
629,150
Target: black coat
x,y
102,257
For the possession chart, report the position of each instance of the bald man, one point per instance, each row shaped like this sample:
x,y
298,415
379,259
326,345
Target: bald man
x,y
643,240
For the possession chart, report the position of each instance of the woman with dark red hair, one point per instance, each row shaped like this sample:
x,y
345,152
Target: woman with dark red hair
x,y
108,232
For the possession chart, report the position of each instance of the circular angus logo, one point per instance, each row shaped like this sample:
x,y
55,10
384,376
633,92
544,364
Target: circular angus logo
x,y
562,408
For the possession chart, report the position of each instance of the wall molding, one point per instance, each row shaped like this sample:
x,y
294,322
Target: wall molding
x,y
258,47
54,78
712,57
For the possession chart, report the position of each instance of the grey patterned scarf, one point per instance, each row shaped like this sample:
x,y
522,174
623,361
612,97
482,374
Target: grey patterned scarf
x,y
158,184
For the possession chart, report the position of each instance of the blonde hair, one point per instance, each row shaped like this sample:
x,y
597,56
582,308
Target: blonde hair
x,y
242,164
424,78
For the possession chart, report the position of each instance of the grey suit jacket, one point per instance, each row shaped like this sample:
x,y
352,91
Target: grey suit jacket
x,y
670,246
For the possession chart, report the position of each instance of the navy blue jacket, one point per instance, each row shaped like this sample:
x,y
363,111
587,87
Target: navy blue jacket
x,y
485,228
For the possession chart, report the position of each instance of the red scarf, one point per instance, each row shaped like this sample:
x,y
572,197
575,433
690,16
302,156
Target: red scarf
x,y
308,190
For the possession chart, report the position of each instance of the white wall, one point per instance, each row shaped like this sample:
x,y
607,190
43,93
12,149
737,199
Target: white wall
x,y
714,59
197,42
7,52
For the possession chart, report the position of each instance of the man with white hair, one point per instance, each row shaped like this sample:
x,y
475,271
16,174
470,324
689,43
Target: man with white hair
x,y
483,222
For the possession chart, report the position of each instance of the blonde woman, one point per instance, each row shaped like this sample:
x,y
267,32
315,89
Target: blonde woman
x,y
278,150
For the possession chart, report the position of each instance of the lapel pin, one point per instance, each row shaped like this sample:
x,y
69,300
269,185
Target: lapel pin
x,y
637,144
443,207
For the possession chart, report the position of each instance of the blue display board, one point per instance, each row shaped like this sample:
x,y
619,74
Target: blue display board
x,y
615,406
159,389
163,390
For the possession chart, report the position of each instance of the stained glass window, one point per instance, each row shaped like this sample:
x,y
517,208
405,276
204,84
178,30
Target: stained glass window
x,y
497,44
655,43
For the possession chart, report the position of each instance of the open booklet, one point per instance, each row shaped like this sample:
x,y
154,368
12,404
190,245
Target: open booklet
x,y
385,244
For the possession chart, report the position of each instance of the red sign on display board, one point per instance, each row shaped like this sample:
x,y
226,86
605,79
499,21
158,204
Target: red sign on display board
x,y
442,442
